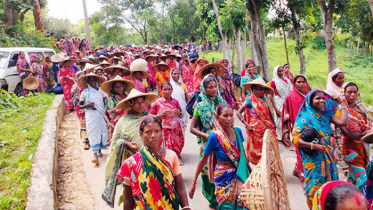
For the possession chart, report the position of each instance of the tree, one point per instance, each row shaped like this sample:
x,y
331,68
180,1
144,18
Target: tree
x,y
39,24
371,7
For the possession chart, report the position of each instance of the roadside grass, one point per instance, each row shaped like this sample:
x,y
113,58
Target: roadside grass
x,y
358,69
21,121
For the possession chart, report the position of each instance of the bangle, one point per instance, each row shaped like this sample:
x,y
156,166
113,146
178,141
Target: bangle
x,y
185,207
312,145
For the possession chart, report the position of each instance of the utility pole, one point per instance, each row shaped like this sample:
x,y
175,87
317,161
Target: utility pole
x,y
87,32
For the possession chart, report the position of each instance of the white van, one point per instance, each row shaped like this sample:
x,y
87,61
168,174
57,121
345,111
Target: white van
x,y
9,79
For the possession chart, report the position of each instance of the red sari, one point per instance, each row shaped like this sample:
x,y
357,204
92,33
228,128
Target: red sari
x,y
290,110
196,80
187,73
255,137
171,127
67,85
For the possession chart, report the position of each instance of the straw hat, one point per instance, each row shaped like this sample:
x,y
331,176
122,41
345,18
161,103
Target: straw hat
x,y
178,55
91,57
110,70
219,69
140,65
107,86
84,60
163,55
116,58
88,66
31,83
151,55
368,138
129,53
83,83
258,82
102,57
56,58
65,60
149,98
104,63
160,64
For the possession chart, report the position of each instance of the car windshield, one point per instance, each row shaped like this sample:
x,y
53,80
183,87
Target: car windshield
x,y
3,59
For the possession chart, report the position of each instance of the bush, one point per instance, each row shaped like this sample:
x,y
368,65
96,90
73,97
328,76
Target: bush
x,y
319,42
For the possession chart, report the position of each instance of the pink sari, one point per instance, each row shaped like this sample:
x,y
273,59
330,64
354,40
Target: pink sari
x,y
139,85
151,71
171,127
187,76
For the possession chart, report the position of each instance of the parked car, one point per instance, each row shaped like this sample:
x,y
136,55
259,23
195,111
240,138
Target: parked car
x,y
9,79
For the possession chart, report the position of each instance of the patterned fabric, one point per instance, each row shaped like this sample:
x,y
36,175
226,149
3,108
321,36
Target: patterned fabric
x,y
355,152
187,74
248,78
196,80
39,73
309,117
178,93
369,185
290,110
151,73
80,113
67,85
255,137
114,114
22,74
227,91
152,180
171,127
139,85
96,125
318,202
162,76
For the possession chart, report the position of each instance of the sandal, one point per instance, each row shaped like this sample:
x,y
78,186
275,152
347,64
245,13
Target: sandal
x,y
100,155
86,146
95,160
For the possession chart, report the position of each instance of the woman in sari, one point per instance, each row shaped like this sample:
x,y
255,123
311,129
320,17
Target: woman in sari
x,y
290,111
339,195
258,120
139,74
67,78
336,78
227,90
151,177
47,65
76,91
168,111
23,69
38,72
317,113
287,73
250,75
282,87
92,99
126,139
196,79
230,170
202,124
118,89
187,74
180,93
162,74
150,62
355,152
114,71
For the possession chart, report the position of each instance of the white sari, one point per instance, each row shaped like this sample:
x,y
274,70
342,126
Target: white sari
x,y
178,93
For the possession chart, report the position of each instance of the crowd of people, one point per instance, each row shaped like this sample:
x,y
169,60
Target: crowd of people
x,y
138,100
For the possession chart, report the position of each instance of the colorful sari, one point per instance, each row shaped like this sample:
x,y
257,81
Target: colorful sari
x,y
114,114
80,113
282,89
152,180
171,127
331,88
126,130
162,76
67,85
226,91
178,93
206,110
47,68
23,74
228,181
321,194
196,80
255,137
187,74
151,78
139,85
39,73
319,168
290,110
355,152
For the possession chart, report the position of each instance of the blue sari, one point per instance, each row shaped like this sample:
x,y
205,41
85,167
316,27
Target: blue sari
x,y
309,117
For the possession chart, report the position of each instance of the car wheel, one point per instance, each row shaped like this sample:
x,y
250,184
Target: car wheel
x,y
19,89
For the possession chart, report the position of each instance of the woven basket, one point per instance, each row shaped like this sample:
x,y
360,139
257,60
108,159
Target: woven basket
x,y
31,83
266,189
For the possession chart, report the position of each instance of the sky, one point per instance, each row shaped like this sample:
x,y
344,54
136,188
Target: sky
x,y
71,9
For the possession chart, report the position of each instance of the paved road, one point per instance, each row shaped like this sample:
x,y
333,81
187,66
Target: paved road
x,y
95,175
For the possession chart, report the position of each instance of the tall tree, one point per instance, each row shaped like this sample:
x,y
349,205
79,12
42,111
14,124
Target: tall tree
x,y
371,7
39,23
223,33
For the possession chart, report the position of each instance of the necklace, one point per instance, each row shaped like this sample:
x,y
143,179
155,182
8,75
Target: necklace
x,y
229,134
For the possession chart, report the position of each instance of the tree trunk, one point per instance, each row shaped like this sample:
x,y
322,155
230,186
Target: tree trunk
x,y
8,14
327,11
232,50
262,41
243,53
39,24
254,42
237,37
22,16
86,21
302,59
286,47
358,45
223,36
351,47
371,7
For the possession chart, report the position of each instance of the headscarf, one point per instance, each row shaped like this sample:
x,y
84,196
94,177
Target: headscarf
x,y
178,93
243,72
283,88
206,108
91,94
289,74
321,194
331,87
48,64
309,117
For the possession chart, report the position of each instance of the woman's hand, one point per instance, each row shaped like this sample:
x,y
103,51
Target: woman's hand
x,y
176,112
132,145
192,189
90,106
248,127
319,147
162,115
111,125
278,113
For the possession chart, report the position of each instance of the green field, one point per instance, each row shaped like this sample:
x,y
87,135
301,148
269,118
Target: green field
x,y
21,121
359,69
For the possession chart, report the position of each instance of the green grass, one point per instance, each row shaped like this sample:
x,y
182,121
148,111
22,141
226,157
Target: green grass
x,y
21,121
358,69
